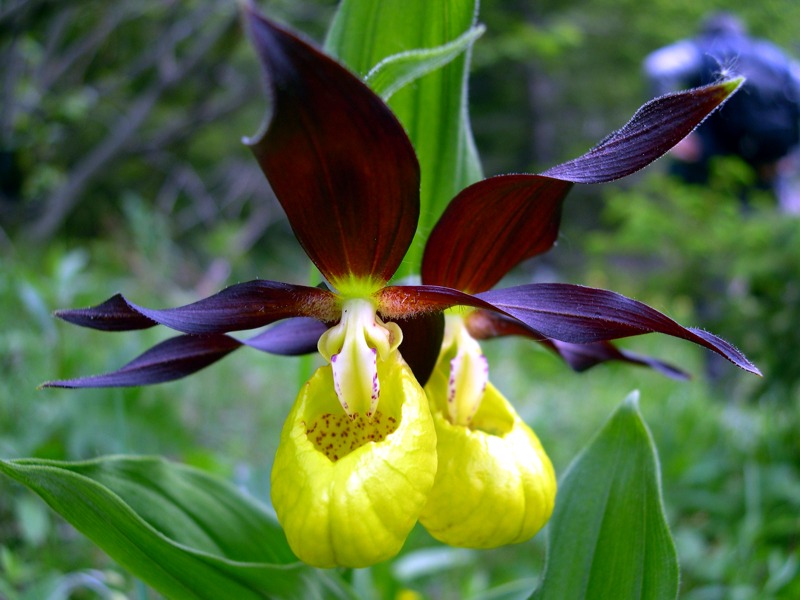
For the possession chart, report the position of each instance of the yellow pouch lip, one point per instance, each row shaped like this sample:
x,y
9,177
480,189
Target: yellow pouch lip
x,y
358,510
495,485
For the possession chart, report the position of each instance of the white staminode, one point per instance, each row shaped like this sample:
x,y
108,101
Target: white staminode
x,y
353,347
469,372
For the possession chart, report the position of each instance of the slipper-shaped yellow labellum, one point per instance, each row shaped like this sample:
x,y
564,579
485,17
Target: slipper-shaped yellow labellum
x,y
494,484
348,489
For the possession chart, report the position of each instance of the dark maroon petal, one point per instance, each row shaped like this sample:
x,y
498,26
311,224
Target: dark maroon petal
x,y
580,357
291,337
655,128
246,306
171,359
336,157
490,227
115,314
422,340
581,315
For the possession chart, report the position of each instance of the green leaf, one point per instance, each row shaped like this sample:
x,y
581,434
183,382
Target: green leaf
x,y
398,70
186,533
434,109
608,536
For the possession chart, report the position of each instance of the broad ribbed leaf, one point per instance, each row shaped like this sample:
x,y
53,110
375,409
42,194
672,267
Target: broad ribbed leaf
x,y
490,227
185,533
338,160
580,357
434,109
655,128
170,360
608,536
577,314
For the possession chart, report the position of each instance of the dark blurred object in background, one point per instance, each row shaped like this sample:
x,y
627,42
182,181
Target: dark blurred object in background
x,y
760,124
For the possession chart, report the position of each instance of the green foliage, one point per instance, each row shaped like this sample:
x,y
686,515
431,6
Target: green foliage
x,y
187,534
608,535
727,253
399,70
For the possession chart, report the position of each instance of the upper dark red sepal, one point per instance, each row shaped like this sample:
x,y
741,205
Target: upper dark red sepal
x,y
581,315
655,128
171,359
490,227
337,158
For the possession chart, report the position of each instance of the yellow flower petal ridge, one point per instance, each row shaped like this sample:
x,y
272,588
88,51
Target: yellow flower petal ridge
x,y
348,489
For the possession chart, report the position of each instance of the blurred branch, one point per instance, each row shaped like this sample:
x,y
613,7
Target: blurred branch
x,y
181,128
59,60
10,76
15,10
121,132
67,196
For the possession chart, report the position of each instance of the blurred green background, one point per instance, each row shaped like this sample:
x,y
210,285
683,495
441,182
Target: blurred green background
x,y
122,170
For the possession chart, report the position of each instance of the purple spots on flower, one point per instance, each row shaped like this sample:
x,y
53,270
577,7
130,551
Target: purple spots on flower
x,y
337,435
451,383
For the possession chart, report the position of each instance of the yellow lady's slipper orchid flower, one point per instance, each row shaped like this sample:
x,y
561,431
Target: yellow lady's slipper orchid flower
x,y
348,485
494,485
357,462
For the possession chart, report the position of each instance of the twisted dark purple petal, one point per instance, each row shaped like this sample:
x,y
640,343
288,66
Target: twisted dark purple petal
x,y
246,306
170,360
115,314
337,158
580,357
241,306
581,315
292,337
655,128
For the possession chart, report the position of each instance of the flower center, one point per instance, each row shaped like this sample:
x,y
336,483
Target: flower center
x,y
353,347
336,436
469,371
